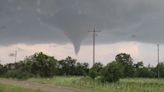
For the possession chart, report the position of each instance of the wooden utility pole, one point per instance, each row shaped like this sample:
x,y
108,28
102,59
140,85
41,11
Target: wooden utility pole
x,y
94,43
158,60
16,56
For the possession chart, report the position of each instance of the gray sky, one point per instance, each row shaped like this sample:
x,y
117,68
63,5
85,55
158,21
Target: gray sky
x,y
68,21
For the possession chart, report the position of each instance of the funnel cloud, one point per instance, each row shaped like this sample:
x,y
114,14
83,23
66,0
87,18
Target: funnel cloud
x,y
53,21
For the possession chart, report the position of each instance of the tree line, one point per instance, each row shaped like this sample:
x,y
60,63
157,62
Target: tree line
x,y
42,65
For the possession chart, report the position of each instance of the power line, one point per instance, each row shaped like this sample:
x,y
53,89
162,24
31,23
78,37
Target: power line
x,y
94,43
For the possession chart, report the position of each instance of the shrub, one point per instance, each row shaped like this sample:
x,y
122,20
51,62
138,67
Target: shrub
x,y
17,74
95,70
112,72
93,74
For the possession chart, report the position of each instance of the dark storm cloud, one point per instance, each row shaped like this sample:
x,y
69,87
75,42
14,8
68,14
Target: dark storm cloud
x,y
42,21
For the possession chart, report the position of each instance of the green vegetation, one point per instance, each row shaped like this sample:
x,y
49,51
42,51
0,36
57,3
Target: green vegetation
x,y
95,70
124,85
111,72
41,65
117,76
10,88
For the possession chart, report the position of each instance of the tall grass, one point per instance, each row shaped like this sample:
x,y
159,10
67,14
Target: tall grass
x,y
124,85
10,88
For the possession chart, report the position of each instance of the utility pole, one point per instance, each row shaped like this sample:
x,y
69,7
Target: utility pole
x,y
16,56
158,60
0,60
94,43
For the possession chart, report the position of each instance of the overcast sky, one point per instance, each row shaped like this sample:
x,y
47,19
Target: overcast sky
x,y
60,28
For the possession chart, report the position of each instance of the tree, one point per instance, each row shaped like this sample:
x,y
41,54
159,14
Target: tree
x,y
82,69
145,72
160,67
126,61
1,69
67,66
112,72
95,70
139,65
43,65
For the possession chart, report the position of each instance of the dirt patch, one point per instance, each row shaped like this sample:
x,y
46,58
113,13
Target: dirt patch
x,y
43,87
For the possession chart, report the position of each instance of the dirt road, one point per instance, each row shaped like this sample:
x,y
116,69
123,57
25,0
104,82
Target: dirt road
x,y
43,87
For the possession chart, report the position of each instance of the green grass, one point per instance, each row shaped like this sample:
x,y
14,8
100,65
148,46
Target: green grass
x,y
10,88
125,85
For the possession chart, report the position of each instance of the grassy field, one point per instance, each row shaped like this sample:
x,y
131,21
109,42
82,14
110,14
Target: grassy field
x,y
10,88
125,85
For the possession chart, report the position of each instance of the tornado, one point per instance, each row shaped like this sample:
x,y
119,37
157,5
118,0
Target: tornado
x,y
72,21
119,20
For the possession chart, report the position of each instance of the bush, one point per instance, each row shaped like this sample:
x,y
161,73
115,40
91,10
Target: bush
x,y
145,73
43,65
1,69
112,72
17,74
95,70
93,74
100,79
